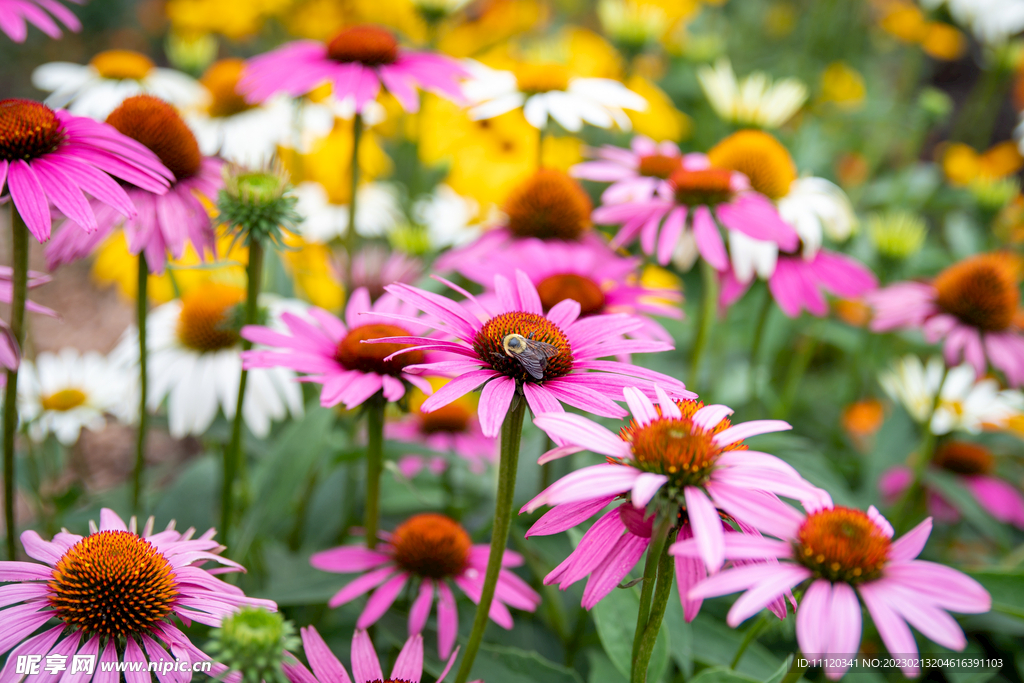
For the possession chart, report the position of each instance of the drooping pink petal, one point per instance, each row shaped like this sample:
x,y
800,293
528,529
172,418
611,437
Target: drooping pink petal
x,y
707,527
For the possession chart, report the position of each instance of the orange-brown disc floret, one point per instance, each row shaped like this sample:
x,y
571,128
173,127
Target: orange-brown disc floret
x,y
367,45
221,80
842,544
760,157
490,348
676,447
452,418
432,546
157,125
963,457
659,165
207,321
113,584
28,130
557,288
707,186
355,355
548,205
981,291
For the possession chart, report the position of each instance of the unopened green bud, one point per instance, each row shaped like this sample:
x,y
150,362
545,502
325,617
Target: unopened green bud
x,y
253,642
993,195
935,103
191,54
255,204
897,234
630,24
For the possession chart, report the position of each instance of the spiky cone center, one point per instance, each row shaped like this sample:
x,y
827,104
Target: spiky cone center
x,y
221,80
708,186
981,291
557,288
759,156
452,418
963,457
842,544
368,45
533,78
64,400
353,354
28,130
490,348
676,447
548,205
122,65
157,125
208,318
113,584
431,545
659,165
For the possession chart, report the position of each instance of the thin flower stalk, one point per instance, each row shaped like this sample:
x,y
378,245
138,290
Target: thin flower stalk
x,y
374,465
141,312
351,237
19,264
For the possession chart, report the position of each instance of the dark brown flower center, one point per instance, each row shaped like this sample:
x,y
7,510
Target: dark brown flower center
x,y
490,347
962,457
453,418
28,130
981,291
221,79
355,355
659,165
368,45
548,205
432,546
113,584
557,288
707,186
207,321
676,447
760,157
159,127
842,544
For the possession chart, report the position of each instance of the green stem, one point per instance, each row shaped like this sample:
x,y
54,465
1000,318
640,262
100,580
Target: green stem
x,y
797,367
141,312
709,304
232,454
755,348
750,636
666,573
796,671
654,553
374,463
511,433
351,238
19,264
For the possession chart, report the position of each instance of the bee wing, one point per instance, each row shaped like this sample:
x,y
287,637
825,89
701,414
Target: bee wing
x,y
534,357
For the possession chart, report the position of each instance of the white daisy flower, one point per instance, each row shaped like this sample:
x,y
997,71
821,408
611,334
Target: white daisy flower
x,y
753,101
377,211
97,88
965,403
450,219
544,90
194,361
61,393
993,21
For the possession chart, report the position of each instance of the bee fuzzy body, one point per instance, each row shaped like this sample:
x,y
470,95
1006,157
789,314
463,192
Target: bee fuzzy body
x,y
533,355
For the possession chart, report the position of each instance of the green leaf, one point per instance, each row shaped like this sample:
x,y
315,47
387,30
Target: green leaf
x,y
293,581
601,668
512,665
781,672
1006,588
715,644
721,674
953,490
615,617
682,634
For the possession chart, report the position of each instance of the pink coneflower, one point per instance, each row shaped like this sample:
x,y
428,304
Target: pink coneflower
x,y
165,222
972,304
375,267
355,62
365,664
333,354
51,156
589,272
432,550
16,15
637,173
845,552
569,373
689,207
113,587
453,428
681,451
798,283
972,464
